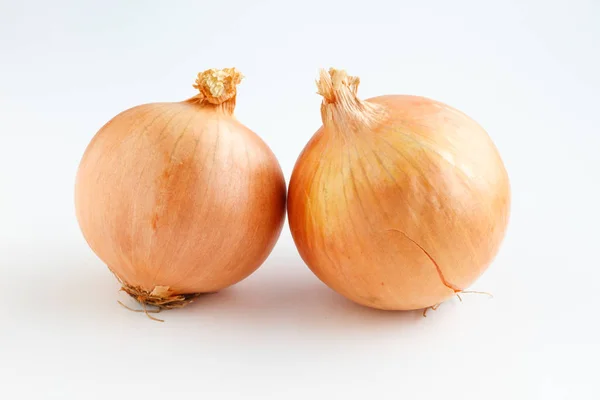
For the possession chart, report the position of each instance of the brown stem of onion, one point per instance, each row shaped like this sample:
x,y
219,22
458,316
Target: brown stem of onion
x,y
218,88
341,108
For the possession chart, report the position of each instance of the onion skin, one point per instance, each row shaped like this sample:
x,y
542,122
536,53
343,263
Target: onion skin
x,y
180,198
397,202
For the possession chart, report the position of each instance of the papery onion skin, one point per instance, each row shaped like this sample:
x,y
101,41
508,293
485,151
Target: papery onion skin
x,y
181,198
397,202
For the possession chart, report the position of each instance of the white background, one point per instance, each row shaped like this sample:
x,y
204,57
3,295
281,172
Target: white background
x,y
528,71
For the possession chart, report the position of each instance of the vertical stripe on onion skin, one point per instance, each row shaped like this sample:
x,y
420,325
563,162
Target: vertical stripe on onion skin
x,y
180,198
397,202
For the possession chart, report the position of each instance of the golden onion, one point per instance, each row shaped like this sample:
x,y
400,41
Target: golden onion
x,y
180,198
397,202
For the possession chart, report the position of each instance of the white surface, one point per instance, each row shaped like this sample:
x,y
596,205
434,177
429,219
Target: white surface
x,y
527,71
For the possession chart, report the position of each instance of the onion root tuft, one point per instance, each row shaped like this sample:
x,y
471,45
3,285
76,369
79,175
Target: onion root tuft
x,y
160,297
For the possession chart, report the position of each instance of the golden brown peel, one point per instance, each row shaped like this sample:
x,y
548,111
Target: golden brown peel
x,y
163,187
437,267
404,162
449,285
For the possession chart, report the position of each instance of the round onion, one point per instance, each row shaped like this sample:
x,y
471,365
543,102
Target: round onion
x,y
180,198
397,202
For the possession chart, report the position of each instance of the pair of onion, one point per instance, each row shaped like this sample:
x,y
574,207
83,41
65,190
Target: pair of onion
x,y
397,202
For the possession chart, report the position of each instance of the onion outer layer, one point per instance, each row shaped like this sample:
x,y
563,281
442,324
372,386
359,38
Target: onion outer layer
x,y
397,202
180,198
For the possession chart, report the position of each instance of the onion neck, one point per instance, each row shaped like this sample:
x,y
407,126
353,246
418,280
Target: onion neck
x,y
341,109
217,89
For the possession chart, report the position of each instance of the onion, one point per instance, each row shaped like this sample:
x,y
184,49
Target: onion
x,y
397,202
180,198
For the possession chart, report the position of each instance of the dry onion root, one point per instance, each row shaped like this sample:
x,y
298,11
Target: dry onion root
x,y
180,198
397,202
